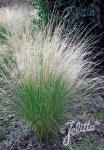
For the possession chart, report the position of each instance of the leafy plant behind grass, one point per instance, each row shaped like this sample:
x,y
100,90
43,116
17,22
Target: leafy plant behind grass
x,y
43,11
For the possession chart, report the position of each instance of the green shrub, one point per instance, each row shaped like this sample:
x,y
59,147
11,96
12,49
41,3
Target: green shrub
x,y
43,11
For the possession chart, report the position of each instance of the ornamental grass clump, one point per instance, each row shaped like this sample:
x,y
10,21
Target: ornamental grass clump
x,y
14,19
48,74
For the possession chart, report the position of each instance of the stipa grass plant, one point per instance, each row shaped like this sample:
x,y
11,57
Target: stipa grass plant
x,y
49,74
36,87
13,19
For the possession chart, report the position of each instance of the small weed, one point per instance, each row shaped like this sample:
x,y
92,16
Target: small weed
x,y
89,144
101,114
